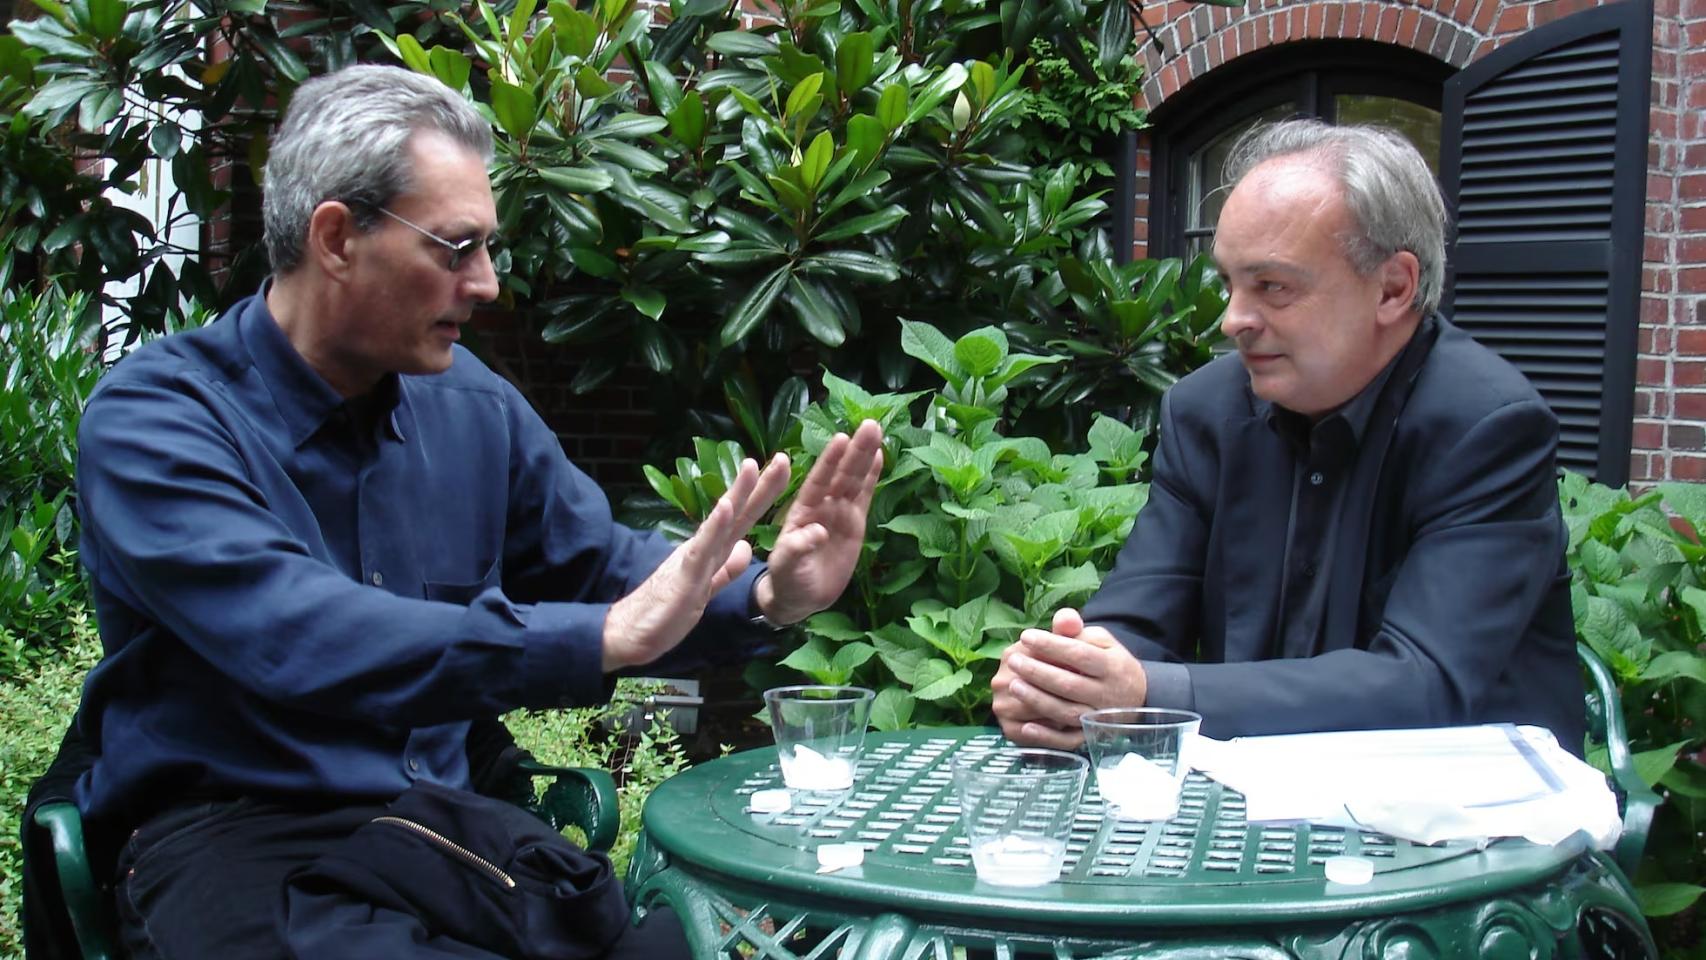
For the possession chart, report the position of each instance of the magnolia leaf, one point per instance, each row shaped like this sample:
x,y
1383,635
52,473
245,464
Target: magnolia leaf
x,y
892,709
855,60
648,300
800,100
891,106
754,306
576,179
514,107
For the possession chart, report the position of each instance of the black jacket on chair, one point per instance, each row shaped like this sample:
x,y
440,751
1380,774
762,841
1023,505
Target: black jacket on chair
x,y
1449,597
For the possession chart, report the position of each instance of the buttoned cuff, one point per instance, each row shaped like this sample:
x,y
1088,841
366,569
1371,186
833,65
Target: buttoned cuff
x,y
563,663
1169,685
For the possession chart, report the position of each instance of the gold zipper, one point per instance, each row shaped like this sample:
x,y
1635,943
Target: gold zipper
x,y
453,848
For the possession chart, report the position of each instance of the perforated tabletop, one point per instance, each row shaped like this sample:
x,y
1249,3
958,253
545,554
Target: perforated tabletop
x,y
1205,865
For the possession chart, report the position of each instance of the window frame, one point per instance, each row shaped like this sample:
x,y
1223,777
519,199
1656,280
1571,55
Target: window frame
x,y
1258,81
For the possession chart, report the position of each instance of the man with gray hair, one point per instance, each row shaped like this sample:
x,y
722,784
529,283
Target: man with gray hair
x,y
329,547
1353,521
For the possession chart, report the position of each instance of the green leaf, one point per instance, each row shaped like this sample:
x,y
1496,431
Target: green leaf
x,y
590,83
892,709
892,106
816,160
802,96
592,262
812,659
687,120
981,351
936,536
834,625
851,656
1652,765
816,311
1114,35
926,343
1675,665
865,225
754,306
514,108
451,67
647,300
106,18
577,31
629,126
943,687
576,179
865,138
854,61
739,43
852,263
1666,899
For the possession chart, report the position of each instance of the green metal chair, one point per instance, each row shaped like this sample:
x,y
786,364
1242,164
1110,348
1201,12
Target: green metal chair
x,y
1605,725
581,797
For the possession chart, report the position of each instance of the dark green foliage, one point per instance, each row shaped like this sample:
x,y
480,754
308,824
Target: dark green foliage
x,y
1639,594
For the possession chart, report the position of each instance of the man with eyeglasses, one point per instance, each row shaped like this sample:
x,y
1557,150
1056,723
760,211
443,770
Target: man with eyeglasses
x,y
329,547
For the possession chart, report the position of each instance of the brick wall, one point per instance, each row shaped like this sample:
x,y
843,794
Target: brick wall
x,y
1670,400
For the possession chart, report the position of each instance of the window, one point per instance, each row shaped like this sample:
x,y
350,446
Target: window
x,y
1344,81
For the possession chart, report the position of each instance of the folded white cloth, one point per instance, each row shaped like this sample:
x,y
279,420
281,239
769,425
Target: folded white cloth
x,y
1426,786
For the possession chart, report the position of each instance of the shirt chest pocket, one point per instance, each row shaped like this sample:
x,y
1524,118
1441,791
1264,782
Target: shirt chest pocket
x,y
460,592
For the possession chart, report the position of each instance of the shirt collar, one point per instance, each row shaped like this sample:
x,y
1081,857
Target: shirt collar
x,y
303,398
1354,413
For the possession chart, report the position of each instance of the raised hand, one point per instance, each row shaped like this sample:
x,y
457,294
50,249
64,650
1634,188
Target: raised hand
x,y
650,621
1050,678
821,537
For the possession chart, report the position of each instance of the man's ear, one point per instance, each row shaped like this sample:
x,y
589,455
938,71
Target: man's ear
x,y
331,235
1400,278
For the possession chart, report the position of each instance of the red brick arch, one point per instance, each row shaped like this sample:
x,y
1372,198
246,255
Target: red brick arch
x,y
1197,39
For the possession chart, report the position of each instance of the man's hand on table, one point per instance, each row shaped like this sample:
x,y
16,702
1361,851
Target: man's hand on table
x,y
814,556
1047,680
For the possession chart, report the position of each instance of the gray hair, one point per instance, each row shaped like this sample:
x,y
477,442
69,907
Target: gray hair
x,y
1391,194
345,137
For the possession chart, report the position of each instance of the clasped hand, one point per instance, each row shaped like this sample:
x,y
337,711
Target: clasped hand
x,y
814,556
1048,679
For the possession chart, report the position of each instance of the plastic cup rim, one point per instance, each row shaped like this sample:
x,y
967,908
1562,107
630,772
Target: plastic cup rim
x,y
853,694
1078,764
1146,718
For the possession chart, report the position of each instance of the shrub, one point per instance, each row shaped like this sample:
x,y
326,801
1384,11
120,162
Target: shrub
x,y
973,535
1639,592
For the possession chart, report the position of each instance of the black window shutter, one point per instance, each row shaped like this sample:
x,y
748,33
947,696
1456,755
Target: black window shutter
x,y
1544,165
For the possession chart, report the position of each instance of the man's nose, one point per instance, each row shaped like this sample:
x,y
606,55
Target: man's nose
x,y
481,282
1240,317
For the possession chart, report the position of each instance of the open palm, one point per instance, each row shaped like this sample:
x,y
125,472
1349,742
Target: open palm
x,y
824,530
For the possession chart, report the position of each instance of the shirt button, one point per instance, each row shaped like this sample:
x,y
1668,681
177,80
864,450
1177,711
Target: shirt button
x,y
1315,479
414,765
1309,569
379,578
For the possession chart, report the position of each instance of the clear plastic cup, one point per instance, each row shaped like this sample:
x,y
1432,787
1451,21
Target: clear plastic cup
x,y
1017,806
819,732
1141,756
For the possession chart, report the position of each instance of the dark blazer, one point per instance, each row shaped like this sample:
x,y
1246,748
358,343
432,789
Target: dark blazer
x,y
1449,601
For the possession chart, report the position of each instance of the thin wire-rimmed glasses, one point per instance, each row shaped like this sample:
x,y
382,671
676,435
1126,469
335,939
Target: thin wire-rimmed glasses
x,y
460,250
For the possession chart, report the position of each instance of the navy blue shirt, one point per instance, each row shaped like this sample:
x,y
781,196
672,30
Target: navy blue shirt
x,y
305,597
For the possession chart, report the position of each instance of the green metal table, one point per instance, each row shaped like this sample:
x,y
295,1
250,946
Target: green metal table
x,y
1206,884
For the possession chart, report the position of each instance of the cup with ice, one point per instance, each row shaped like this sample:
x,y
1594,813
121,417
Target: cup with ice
x,y
1017,806
1141,755
819,731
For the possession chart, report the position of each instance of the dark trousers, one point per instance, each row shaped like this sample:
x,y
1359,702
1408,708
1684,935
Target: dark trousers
x,y
206,880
